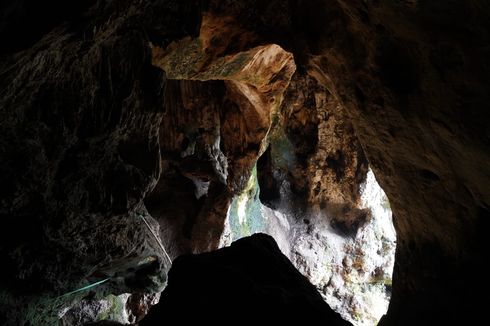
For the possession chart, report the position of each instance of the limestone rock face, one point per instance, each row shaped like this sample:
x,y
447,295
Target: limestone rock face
x,y
251,280
219,113
413,78
80,109
124,309
312,192
315,153
110,108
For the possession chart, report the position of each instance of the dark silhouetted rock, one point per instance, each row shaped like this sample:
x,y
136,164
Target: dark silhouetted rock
x,y
250,281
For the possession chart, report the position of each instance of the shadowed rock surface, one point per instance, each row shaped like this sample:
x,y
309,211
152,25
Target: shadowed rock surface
x,y
84,106
250,281
80,108
413,78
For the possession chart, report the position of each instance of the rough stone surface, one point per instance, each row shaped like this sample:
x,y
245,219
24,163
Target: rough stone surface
x,y
413,78
250,281
315,158
352,272
81,110
218,116
124,309
327,213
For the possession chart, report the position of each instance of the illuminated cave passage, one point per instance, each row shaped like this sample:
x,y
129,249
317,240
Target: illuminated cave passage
x,y
144,143
331,218
351,268
313,192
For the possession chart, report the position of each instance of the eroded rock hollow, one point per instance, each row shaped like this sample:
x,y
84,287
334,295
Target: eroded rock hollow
x,y
136,132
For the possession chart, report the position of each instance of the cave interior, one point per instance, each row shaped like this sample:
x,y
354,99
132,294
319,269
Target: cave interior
x,y
194,161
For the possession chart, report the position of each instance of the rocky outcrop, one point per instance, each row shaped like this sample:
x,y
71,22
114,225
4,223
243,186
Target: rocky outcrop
x,y
124,309
250,280
312,192
352,271
82,114
80,109
219,113
412,76
315,158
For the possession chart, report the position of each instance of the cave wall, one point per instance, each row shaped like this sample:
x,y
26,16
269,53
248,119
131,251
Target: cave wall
x,y
222,102
322,204
314,158
413,77
81,111
312,192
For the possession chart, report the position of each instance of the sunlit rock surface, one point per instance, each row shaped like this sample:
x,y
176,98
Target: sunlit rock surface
x,y
353,272
321,204
220,110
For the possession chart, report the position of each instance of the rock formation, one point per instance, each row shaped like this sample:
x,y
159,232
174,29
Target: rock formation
x,y
312,191
113,113
216,131
80,108
412,76
251,281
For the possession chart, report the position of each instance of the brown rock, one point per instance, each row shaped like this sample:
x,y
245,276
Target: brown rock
x,y
81,131
413,78
220,128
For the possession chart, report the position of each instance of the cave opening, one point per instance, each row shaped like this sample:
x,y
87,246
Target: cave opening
x,y
351,266
214,120
313,191
267,149
253,146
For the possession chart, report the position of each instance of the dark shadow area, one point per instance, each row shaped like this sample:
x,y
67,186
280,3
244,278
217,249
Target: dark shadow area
x,y
251,281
